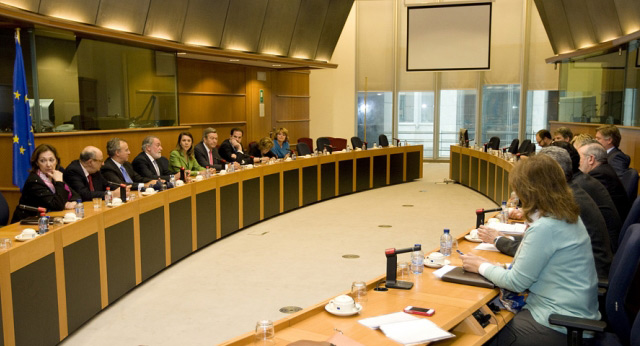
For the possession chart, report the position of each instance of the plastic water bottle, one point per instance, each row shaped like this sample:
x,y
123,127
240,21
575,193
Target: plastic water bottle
x,y
80,209
172,180
294,156
504,214
417,261
446,242
513,200
108,197
43,224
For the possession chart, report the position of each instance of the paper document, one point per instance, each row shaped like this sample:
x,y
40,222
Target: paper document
x,y
486,247
415,332
445,269
516,228
376,322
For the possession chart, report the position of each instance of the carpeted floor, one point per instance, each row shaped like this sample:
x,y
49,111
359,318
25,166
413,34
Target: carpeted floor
x,y
293,259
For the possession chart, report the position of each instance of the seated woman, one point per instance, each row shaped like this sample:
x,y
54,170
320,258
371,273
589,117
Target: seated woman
x,y
281,144
44,186
262,151
182,156
554,263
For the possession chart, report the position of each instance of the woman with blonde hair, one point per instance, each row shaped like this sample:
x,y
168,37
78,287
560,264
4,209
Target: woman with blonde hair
x,y
554,262
262,151
281,144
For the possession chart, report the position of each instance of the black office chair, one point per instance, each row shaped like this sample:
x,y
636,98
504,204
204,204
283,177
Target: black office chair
x,y
494,143
526,147
303,149
4,211
513,148
324,143
630,182
383,141
632,217
356,142
622,306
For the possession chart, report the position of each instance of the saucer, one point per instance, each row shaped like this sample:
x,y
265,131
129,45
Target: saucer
x,y
113,205
69,221
446,263
473,240
148,193
330,309
19,238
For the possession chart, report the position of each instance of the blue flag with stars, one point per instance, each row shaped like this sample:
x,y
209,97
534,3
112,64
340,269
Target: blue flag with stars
x,y
23,141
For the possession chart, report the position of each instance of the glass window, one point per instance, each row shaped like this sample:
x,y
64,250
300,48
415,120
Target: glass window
x,y
541,108
457,110
500,113
379,115
415,119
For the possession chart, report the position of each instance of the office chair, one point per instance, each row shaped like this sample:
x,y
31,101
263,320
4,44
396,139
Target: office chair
x,y
383,141
494,143
4,211
356,142
308,141
513,148
324,143
629,180
621,304
526,147
635,332
338,144
632,217
303,149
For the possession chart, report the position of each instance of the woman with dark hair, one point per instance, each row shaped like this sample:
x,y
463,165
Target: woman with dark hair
x,y
554,262
44,186
182,155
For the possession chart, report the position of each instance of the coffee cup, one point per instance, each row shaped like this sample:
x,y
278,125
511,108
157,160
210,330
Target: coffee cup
x,y
435,258
473,234
28,233
492,220
199,178
116,201
70,217
149,190
179,182
343,303
223,172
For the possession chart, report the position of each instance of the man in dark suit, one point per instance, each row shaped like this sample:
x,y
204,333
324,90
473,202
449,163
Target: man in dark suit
x,y
117,169
610,138
206,152
593,161
84,177
231,149
148,163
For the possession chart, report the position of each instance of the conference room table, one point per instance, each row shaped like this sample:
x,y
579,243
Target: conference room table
x,y
51,285
454,305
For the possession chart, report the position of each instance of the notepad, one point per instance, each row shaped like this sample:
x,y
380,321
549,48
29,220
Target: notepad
x,y
511,229
376,322
486,247
415,332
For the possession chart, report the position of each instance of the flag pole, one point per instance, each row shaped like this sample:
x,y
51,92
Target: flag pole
x,y
366,79
18,35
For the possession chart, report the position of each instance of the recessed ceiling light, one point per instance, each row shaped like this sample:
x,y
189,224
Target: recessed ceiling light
x,y
276,65
234,60
181,53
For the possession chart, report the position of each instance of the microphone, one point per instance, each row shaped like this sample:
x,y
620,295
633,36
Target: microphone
x,y
397,141
392,263
480,215
32,209
113,183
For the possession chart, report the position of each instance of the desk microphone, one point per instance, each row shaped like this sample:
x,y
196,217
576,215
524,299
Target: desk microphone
x,y
32,209
397,141
392,267
480,215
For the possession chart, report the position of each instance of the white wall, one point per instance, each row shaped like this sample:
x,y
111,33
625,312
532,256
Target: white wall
x,y
333,91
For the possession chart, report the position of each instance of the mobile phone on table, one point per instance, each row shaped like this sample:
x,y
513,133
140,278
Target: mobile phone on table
x,y
419,311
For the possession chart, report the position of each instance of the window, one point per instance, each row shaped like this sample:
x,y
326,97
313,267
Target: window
x,y
500,112
541,108
415,119
457,110
379,116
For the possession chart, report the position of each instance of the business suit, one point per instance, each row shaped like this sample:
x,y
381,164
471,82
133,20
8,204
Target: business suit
x,y
36,193
111,172
200,153
77,181
606,175
177,161
226,150
618,160
143,166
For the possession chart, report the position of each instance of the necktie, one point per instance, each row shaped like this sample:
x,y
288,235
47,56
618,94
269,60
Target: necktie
x,y
211,158
155,165
91,188
126,176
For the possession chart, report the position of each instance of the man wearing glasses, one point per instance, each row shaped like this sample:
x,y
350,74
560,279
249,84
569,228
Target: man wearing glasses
x,y
84,177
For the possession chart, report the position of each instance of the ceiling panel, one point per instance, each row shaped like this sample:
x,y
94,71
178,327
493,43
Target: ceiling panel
x,y
123,15
605,19
277,30
580,23
83,11
629,15
554,19
333,25
166,19
244,24
29,5
204,22
306,34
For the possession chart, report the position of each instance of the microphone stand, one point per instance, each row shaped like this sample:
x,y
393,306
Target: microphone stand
x,y
392,263
480,215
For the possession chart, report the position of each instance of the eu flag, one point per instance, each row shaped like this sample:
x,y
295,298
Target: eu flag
x,y
23,141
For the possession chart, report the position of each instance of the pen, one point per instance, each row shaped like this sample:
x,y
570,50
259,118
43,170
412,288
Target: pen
x,y
460,252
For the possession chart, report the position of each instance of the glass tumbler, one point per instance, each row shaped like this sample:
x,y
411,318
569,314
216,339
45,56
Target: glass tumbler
x,y
359,292
403,271
265,333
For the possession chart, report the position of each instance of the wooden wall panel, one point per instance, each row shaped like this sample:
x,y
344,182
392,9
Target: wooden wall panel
x,y
258,126
291,103
197,109
209,77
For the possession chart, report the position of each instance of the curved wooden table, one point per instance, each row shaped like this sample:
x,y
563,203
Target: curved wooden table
x,y
51,285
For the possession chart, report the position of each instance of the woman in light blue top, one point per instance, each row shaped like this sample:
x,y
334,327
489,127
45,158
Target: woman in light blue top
x,y
554,262
281,144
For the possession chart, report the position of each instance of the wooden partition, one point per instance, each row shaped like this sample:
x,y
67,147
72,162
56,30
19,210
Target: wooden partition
x,y
480,171
61,279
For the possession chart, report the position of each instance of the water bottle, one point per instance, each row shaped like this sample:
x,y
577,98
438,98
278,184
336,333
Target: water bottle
x,y
513,200
446,242
504,214
108,197
43,224
417,260
172,180
294,156
79,209
207,173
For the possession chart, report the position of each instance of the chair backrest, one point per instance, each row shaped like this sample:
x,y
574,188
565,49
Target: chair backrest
x,y
494,143
621,311
308,141
526,147
383,141
513,148
630,182
303,149
632,217
356,142
4,211
322,143
635,331
252,146
338,143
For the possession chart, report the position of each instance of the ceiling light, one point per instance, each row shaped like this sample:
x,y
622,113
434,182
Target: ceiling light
x,y
234,60
276,65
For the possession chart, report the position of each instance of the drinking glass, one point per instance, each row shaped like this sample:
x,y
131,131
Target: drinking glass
x,y
359,292
97,203
403,271
5,243
265,333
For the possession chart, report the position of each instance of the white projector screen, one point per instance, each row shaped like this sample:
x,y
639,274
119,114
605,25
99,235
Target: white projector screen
x,y
449,37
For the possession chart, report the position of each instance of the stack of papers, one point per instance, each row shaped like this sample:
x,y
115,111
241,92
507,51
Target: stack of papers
x,y
511,229
406,329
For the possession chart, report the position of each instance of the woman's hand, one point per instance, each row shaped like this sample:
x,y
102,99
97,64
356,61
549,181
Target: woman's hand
x,y
516,214
471,263
70,205
55,176
488,235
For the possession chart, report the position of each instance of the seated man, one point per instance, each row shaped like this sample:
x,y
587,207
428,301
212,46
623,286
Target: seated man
x,y
593,161
206,152
562,134
609,136
543,137
117,169
148,163
84,177
231,149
